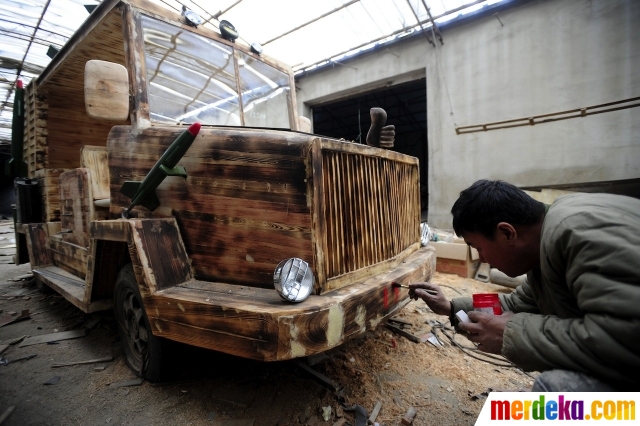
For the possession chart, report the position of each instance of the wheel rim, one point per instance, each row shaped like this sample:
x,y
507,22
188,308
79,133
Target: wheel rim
x,y
134,327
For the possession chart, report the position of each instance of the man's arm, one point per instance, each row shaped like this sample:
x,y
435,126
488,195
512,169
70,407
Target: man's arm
x,y
597,259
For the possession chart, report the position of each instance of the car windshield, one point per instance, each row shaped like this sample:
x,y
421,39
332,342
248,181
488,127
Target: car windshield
x,y
192,78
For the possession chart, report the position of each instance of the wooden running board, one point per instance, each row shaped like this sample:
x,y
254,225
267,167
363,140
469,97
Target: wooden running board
x,y
70,287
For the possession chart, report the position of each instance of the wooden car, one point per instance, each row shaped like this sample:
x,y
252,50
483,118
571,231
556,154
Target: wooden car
x,y
199,268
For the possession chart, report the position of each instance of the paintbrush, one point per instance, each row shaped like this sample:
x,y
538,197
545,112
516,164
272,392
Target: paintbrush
x,y
431,292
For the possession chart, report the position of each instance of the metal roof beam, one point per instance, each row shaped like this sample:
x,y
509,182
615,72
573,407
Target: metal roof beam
x,y
449,12
10,91
312,21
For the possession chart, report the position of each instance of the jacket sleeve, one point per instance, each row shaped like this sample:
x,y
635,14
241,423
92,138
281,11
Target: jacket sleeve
x,y
520,300
599,262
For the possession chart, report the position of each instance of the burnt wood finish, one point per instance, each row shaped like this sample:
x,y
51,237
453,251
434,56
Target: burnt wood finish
x,y
49,189
35,135
68,256
243,207
77,206
255,323
204,259
370,203
136,64
94,158
161,252
37,246
254,198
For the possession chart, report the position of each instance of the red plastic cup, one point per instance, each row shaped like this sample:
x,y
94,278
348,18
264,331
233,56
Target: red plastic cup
x,y
487,302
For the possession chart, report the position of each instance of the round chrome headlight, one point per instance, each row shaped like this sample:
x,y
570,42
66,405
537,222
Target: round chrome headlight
x,y
293,279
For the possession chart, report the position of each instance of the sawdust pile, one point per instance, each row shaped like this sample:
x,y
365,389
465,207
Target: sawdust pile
x,y
442,382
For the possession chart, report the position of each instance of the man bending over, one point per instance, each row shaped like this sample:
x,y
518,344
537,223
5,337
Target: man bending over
x,y
577,316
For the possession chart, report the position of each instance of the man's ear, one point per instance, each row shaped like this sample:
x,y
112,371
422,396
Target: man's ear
x,y
507,232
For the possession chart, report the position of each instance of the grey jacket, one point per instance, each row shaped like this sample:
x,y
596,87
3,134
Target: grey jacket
x,y
580,310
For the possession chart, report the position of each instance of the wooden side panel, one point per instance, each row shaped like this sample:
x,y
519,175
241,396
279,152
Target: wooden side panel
x,y
162,252
77,206
37,246
49,189
35,135
255,323
95,159
69,126
68,256
244,205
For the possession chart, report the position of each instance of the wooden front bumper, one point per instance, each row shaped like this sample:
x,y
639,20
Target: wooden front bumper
x,y
255,323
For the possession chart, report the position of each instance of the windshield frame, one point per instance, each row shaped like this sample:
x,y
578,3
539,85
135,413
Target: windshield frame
x,y
138,73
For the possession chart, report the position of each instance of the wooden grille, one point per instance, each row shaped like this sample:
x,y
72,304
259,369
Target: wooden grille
x,y
371,210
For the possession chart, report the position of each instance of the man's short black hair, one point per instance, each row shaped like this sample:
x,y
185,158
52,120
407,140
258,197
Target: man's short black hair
x,y
488,202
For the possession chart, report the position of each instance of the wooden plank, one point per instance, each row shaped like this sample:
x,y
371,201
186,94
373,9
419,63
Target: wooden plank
x,y
77,205
240,212
73,266
95,159
106,90
255,323
68,249
89,361
154,239
111,230
53,337
64,283
365,150
134,59
374,413
318,216
95,20
37,237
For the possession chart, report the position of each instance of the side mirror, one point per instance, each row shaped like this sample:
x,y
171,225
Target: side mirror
x,y
304,124
106,90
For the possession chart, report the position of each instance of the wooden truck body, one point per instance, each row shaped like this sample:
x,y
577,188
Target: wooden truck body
x,y
258,191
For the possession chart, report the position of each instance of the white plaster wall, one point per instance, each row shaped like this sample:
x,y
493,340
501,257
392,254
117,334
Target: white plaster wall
x,y
550,55
400,63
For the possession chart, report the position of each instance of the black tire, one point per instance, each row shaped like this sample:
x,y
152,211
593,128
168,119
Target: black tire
x,y
143,351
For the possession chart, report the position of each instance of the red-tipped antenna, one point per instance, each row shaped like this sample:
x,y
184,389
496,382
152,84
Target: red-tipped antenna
x,y
194,129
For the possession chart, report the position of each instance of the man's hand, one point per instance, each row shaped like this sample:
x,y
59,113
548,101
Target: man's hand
x,y
486,330
438,303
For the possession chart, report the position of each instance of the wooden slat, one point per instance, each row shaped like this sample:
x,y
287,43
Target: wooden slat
x,y
111,230
76,205
133,43
95,159
73,251
37,236
155,238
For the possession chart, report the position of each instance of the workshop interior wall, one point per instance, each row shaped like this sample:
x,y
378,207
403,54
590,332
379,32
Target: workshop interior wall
x,y
539,57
